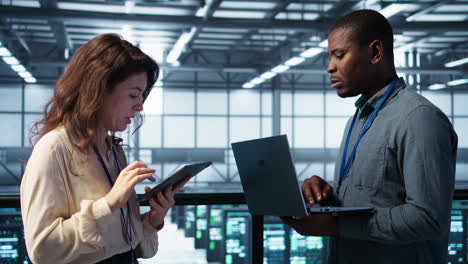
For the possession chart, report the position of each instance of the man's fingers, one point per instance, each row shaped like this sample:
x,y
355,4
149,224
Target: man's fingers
x,y
327,191
316,191
147,189
306,191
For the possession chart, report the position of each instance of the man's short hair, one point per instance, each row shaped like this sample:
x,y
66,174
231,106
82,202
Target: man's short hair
x,y
368,25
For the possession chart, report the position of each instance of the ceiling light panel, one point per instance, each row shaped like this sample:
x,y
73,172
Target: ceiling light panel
x,y
29,21
451,8
296,16
262,43
309,7
211,47
415,33
172,11
31,27
276,31
109,8
212,41
438,18
237,14
247,5
23,3
268,37
225,30
456,33
447,39
35,34
220,36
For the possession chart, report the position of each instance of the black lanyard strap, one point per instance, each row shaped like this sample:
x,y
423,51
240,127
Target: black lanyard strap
x,y
126,222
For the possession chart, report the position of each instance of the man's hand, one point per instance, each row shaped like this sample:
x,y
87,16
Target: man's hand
x,y
316,189
313,225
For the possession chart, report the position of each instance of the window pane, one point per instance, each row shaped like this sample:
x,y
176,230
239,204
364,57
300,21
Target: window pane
x,y
154,102
10,99
244,102
267,128
29,121
178,101
308,132
212,102
286,103
179,132
212,132
330,171
460,107
150,132
461,127
244,128
266,103
441,100
461,172
10,126
210,174
286,128
36,97
308,103
335,128
336,105
307,170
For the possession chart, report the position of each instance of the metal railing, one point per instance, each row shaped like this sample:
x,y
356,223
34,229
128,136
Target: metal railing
x,y
257,250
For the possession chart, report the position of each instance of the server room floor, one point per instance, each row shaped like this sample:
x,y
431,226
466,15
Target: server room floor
x,y
175,248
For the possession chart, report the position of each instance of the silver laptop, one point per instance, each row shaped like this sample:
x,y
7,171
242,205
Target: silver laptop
x,y
270,182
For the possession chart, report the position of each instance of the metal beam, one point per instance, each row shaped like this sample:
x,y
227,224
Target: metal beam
x,y
167,21
316,69
58,28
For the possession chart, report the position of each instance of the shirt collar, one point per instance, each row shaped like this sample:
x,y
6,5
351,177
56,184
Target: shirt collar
x,y
369,105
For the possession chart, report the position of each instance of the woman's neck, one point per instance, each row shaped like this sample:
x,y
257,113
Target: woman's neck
x,y
100,140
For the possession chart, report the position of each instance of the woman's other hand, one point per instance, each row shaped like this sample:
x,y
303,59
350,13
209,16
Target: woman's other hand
x,y
162,202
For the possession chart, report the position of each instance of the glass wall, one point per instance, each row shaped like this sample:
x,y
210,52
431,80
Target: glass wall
x,y
185,125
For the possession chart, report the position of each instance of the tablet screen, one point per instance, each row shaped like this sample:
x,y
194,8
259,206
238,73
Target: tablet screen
x,y
179,175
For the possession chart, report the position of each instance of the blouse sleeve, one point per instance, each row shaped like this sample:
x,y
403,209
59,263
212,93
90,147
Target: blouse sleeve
x,y
52,233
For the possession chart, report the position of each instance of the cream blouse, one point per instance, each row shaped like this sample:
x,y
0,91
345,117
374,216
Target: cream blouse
x,y
66,218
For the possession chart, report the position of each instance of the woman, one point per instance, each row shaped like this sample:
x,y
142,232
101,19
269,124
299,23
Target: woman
x,y
77,194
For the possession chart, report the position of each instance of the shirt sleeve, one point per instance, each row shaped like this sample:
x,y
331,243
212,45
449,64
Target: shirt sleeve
x,y
53,234
149,244
427,156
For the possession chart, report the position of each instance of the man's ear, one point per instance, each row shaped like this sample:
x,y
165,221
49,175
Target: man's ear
x,y
376,50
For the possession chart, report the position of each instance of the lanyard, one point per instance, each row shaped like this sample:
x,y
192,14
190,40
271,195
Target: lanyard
x,y
345,164
126,223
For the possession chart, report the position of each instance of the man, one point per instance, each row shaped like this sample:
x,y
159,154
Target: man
x,y
400,157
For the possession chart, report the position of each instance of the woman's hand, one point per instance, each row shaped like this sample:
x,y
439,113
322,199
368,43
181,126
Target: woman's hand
x,y
162,202
125,183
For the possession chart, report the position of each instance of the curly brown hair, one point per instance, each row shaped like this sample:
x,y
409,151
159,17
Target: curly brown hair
x,y
94,70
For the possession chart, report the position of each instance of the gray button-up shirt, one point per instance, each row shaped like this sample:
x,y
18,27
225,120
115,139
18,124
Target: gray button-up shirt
x,y
404,167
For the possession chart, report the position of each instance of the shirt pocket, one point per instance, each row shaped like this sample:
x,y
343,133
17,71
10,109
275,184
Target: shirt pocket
x,y
369,166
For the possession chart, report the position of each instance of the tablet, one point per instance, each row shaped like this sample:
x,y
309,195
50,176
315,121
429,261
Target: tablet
x,y
179,175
